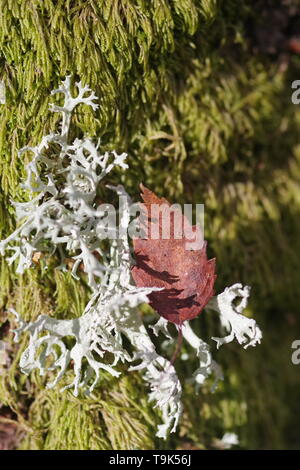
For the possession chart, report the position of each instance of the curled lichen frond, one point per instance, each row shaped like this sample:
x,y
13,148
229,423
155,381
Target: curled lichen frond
x,y
207,365
244,330
166,392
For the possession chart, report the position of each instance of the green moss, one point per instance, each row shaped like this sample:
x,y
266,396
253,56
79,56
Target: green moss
x,y
108,419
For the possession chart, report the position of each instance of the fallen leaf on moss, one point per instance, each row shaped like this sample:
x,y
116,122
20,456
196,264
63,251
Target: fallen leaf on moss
x,y
186,275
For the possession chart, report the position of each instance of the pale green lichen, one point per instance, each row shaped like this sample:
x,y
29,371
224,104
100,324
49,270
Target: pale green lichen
x,y
65,217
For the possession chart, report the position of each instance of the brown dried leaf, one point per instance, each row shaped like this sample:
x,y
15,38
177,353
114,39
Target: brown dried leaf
x,y
186,275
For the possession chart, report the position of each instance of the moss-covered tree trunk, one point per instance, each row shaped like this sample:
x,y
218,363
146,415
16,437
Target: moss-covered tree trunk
x,y
198,92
